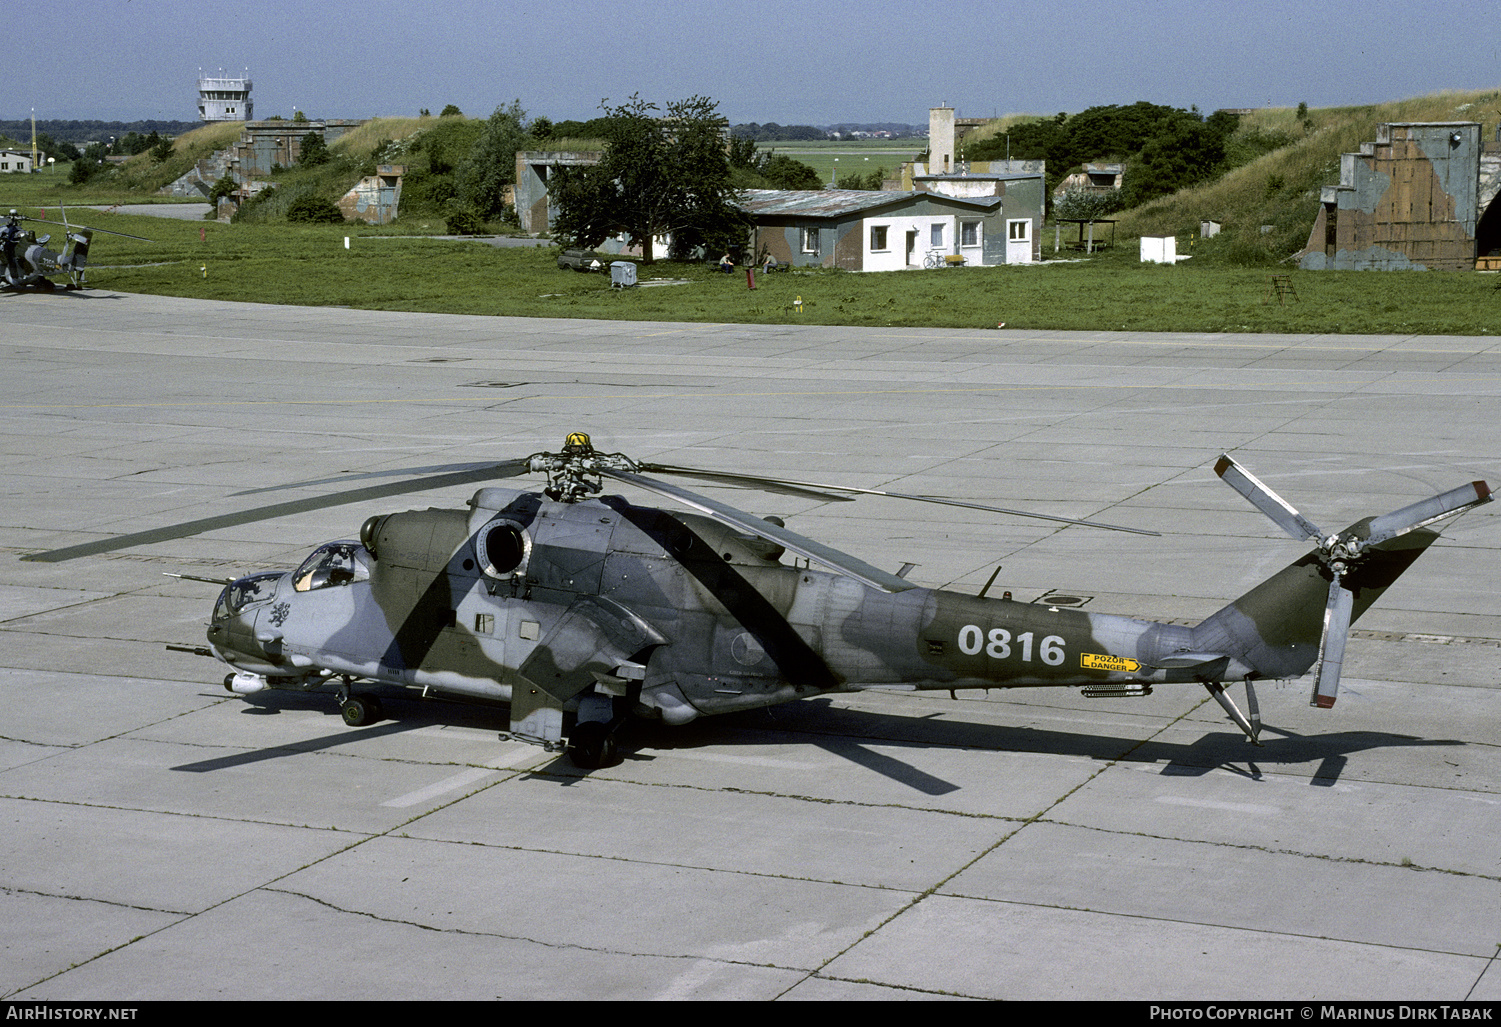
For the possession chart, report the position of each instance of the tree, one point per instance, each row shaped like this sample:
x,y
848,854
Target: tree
x,y
491,165
313,151
89,166
1188,154
782,172
753,169
741,153
59,149
1086,205
658,176
450,111
162,150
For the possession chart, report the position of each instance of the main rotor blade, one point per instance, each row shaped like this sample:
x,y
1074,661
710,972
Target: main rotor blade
x,y
106,231
1332,645
816,551
263,513
493,469
753,481
1399,522
1267,501
810,488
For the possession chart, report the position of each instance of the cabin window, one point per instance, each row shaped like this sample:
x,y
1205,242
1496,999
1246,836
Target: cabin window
x,y
333,563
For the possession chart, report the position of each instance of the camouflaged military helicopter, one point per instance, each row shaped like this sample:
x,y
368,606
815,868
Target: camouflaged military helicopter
x,y
28,264
582,610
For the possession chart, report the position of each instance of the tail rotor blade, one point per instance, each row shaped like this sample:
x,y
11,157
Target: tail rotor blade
x,y
1399,522
1332,646
1267,501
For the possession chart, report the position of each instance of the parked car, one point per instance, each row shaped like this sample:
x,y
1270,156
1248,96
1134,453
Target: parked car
x,y
580,260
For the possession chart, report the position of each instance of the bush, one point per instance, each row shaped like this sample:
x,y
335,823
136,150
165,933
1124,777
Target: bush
x,y
314,210
224,187
462,219
246,214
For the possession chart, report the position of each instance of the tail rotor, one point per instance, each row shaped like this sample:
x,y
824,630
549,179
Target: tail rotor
x,y
1341,552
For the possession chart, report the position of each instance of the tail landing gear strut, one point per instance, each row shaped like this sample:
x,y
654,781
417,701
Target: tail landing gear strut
x,y
1251,727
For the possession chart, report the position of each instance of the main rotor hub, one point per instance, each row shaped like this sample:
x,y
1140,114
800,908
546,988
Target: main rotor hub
x,y
573,474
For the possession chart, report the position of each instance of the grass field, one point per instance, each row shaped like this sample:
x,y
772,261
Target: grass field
x,y
309,265
849,156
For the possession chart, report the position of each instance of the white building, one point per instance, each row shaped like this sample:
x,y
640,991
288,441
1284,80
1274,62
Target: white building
x,y
892,231
224,99
12,161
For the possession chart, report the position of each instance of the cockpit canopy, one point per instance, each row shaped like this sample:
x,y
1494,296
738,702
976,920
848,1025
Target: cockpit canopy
x,y
333,563
257,588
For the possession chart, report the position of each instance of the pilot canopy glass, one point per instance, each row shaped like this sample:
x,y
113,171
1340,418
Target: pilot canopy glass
x,y
333,563
237,595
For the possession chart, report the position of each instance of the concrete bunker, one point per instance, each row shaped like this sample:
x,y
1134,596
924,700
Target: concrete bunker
x,y
1420,197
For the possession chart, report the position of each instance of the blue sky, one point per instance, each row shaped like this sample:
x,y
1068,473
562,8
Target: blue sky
x,y
804,62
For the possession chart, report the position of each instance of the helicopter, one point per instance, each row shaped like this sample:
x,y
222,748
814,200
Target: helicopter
x,y
28,264
584,610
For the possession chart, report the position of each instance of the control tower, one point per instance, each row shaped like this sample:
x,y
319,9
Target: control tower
x,y
224,99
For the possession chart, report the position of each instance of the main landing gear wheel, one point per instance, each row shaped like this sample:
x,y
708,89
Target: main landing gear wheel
x,y
591,746
360,710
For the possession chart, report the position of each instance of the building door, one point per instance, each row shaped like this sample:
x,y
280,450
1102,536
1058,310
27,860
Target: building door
x,y
911,247
1019,241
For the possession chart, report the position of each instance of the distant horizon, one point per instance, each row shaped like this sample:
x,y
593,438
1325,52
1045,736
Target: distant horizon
x,y
853,125
26,120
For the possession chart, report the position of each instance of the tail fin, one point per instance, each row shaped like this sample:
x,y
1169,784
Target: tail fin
x,y
1271,626
1274,630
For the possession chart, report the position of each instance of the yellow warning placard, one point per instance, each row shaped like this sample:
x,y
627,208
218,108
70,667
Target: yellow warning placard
x,y
1119,664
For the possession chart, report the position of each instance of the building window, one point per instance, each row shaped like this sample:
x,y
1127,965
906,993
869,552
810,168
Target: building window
x,y
936,235
970,233
878,237
1018,230
810,240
